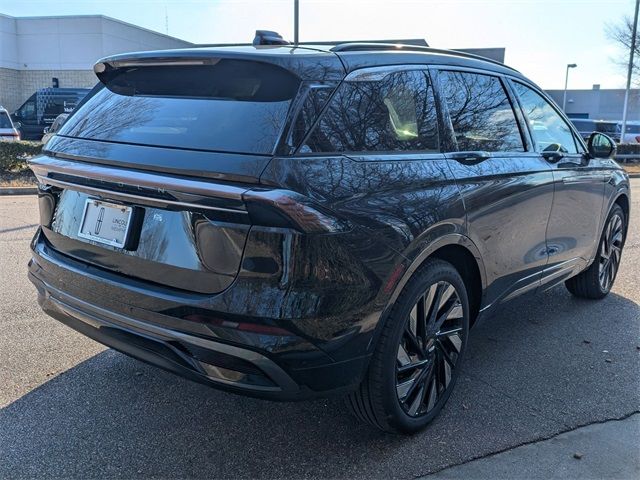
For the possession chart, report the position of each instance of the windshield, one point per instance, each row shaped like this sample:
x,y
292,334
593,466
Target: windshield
x,y
231,106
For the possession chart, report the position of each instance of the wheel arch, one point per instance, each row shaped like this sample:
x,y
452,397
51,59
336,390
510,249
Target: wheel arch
x,y
463,254
625,204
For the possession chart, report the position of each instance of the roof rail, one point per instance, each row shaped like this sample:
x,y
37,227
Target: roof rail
x,y
358,47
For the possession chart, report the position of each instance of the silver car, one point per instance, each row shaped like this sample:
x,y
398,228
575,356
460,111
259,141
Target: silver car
x,y
8,132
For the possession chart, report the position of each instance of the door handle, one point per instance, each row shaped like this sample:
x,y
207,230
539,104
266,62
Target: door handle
x,y
469,158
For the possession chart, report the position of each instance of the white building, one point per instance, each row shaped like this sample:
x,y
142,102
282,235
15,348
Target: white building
x,y
34,50
599,104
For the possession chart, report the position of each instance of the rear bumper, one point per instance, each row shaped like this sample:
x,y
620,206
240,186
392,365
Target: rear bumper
x,y
170,350
245,369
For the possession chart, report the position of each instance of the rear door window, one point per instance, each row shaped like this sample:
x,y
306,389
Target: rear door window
x,y
393,113
480,112
550,132
230,106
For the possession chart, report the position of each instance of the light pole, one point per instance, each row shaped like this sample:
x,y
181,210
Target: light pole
x,y
566,82
629,73
296,21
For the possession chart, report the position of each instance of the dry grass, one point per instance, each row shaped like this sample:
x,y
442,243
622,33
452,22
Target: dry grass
x,y
23,178
631,167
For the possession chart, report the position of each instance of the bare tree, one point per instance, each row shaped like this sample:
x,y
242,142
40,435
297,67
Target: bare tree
x,y
622,33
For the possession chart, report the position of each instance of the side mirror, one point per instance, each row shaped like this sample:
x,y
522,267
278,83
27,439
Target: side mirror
x,y
17,125
601,145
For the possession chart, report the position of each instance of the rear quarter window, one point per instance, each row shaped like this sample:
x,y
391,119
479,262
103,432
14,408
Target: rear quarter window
x,y
395,113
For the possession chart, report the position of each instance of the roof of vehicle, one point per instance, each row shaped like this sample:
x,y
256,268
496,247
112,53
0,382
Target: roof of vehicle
x,y
316,61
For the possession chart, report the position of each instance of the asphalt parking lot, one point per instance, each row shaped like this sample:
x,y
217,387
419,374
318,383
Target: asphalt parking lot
x,y
71,408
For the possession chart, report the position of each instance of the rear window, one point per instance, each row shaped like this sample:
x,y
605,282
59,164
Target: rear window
x,y
5,121
230,106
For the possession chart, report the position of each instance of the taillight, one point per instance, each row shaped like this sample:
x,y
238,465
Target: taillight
x,y
637,138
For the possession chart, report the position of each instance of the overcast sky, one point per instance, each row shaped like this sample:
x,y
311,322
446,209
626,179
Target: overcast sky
x,y
540,36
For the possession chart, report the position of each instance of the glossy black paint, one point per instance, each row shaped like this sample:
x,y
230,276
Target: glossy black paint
x,y
292,260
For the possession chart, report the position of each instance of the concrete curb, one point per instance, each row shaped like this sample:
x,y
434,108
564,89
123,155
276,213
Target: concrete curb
x,y
18,190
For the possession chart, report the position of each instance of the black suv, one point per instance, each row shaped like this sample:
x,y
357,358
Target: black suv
x,y
289,222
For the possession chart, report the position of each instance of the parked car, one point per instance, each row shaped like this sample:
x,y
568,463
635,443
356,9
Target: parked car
x,y
586,127
631,132
42,108
8,132
289,223
55,126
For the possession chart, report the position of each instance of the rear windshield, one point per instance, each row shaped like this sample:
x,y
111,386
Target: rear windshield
x,y
230,106
5,121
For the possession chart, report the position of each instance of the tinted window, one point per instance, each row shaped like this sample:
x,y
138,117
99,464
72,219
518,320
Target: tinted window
x,y
28,109
606,127
233,105
480,111
315,100
394,113
550,132
584,125
5,121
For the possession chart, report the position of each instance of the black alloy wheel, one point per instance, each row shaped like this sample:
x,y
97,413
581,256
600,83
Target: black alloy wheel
x,y
597,280
429,349
610,252
419,352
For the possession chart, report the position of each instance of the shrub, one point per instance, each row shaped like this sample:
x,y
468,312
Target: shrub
x,y
14,155
629,149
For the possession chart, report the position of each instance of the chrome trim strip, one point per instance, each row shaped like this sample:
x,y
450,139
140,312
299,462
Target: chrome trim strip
x,y
129,196
375,74
43,165
552,273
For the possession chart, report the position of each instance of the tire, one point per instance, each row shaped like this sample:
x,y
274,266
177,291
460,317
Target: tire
x,y
596,281
409,379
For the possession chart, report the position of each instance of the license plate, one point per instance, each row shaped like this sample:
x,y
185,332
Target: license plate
x,y
106,223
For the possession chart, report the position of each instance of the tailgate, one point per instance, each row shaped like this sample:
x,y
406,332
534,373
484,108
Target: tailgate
x,y
174,231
